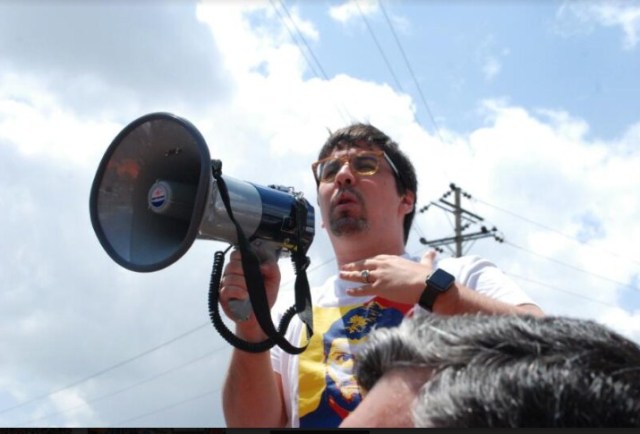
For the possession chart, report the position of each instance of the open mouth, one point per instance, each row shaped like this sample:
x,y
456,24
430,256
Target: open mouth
x,y
345,199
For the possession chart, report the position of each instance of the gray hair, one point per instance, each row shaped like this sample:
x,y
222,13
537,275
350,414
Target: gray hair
x,y
511,371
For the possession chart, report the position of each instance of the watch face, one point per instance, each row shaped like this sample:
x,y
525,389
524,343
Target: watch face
x,y
441,280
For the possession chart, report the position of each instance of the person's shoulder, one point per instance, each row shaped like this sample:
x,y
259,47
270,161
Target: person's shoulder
x,y
465,261
465,265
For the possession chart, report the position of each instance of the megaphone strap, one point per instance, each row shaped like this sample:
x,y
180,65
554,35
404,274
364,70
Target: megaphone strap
x,y
216,319
303,304
255,286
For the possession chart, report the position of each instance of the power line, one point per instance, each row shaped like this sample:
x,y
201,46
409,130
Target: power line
x,y
561,289
571,266
219,349
410,68
380,50
473,218
405,58
548,257
460,214
211,392
129,387
169,407
550,229
342,111
514,275
322,264
105,370
301,37
181,336
133,358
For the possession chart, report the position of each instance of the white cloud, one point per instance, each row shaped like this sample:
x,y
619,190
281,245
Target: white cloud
x,y
622,14
68,310
351,9
617,13
525,165
627,323
541,166
489,57
491,68
99,57
27,111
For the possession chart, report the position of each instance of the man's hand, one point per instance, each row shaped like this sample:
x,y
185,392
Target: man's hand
x,y
234,287
392,277
428,258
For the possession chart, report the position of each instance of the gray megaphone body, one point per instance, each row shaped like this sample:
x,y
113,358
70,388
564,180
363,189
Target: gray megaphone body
x,y
154,194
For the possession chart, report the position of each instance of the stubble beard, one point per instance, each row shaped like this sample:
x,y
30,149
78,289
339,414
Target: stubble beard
x,y
349,221
347,224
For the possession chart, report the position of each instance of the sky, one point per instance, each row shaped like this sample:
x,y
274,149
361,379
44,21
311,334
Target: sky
x,y
532,108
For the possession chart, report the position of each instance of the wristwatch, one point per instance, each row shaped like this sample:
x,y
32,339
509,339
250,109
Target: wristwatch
x,y
437,282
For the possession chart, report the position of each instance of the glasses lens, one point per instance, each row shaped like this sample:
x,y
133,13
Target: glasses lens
x,y
365,164
328,170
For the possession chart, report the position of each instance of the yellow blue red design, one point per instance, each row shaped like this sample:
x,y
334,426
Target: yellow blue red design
x,y
328,391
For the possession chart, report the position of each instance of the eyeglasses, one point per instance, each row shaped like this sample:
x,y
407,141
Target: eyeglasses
x,y
365,163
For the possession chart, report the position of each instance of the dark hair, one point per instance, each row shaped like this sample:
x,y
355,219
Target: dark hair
x,y
511,371
359,134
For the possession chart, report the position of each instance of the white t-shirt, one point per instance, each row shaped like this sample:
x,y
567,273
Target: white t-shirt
x,y
318,385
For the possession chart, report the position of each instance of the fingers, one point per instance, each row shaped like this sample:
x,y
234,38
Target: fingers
x,y
361,291
428,258
355,266
373,263
269,270
233,285
234,265
367,270
234,292
355,272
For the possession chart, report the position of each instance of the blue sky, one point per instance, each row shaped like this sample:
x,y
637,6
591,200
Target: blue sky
x,y
536,115
463,52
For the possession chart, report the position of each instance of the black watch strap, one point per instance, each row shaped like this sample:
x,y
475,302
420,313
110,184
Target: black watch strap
x,y
437,282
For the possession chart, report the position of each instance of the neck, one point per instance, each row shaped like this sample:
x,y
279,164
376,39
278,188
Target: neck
x,y
351,248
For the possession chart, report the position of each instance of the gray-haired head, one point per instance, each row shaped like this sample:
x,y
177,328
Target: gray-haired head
x,y
511,371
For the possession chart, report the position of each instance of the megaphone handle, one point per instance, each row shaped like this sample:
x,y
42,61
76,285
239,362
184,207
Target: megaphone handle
x,y
241,309
265,251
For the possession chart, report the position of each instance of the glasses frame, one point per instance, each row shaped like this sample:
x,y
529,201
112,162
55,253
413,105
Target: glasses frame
x,y
347,158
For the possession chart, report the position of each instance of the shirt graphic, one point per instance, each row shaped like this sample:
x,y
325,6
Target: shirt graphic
x,y
328,391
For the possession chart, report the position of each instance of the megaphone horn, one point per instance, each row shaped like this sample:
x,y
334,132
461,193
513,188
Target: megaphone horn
x,y
154,194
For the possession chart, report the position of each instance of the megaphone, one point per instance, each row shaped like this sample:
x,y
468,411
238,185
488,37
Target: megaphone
x,y
154,194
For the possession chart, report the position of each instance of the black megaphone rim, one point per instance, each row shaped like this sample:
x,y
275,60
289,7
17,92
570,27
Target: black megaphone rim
x,y
200,200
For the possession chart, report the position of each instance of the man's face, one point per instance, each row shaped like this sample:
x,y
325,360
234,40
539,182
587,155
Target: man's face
x,y
340,371
353,204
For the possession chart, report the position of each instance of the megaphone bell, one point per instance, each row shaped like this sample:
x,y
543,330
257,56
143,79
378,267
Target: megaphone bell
x,y
154,194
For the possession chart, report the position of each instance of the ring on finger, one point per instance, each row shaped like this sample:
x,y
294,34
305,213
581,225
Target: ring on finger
x,y
365,276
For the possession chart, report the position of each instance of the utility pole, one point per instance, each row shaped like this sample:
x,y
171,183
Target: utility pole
x,y
461,215
458,214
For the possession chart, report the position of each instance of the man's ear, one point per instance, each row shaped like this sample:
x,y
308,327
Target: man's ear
x,y
408,201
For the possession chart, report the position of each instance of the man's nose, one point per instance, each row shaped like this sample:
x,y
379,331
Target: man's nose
x,y
345,176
